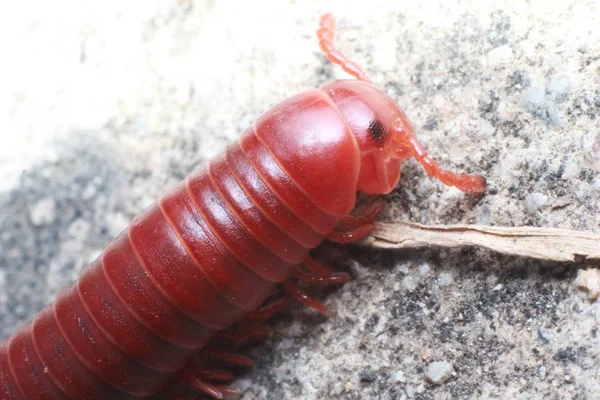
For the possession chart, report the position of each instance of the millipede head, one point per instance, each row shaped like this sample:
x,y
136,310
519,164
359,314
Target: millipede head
x,y
382,130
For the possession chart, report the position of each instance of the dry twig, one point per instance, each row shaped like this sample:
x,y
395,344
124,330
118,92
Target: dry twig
x,y
541,243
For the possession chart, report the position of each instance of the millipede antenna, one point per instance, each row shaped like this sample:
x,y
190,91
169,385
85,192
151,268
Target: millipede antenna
x,y
326,34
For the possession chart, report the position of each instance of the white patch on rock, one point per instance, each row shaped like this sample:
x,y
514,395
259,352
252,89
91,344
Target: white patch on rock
x,y
535,201
439,372
43,212
589,280
500,55
399,377
445,279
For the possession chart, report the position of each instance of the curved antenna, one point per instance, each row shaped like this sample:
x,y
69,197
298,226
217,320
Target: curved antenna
x,y
407,145
326,33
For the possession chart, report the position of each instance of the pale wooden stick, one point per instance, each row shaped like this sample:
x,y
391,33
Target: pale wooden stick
x,y
541,243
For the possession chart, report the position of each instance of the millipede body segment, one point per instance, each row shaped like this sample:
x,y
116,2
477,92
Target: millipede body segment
x,y
202,260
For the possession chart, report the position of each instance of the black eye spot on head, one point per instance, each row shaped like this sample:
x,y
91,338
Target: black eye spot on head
x,y
377,130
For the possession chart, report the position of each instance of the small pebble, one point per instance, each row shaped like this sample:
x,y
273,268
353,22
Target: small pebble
x,y
79,228
484,215
425,187
337,389
590,143
542,372
426,354
439,372
445,279
89,191
399,377
21,310
409,283
43,212
535,201
242,384
558,87
367,375
500,55
536,103
424,271
286,344
485,129
544,337
534,100
589,280
491,279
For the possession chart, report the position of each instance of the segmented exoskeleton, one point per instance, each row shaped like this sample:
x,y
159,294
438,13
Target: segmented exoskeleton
x,y
201,261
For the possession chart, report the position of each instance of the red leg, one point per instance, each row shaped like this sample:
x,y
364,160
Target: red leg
x,y
316,268
326,34
297,294
227,390
367,216
228,357
198,376
315,274
361,223
212,374
265,313
321,280
197,379
250,329
350,236
205,387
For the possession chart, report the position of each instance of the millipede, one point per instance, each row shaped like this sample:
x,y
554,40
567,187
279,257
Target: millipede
x,y
214,258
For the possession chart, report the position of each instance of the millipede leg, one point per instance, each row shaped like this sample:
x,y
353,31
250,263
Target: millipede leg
x,y
205,387
361,224
297,294
317,268
228,357
199,379
212,374
196,377
227,390
332,278
265,313
350,236
367,216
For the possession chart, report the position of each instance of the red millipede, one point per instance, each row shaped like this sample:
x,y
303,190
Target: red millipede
x,y
201,265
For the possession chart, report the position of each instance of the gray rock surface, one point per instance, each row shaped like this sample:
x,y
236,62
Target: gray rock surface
x,y
107,104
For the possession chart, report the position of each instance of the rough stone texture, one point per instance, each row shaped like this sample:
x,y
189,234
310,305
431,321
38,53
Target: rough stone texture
x,y
106,104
